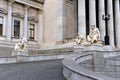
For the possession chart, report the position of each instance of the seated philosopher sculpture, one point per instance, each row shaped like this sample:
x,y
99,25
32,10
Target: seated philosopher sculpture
x,y
21,45
94,35
79,39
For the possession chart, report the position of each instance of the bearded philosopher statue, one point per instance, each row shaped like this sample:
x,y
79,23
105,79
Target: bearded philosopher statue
x,y
94,35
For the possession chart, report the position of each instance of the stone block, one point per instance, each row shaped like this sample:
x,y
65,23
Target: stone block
x,y
98,54
74,76
78,49
110,68
66,73
99,61
98,68
108,48
50,57
7,60
36,58
93,48
23,53
22,58
60,56
118,69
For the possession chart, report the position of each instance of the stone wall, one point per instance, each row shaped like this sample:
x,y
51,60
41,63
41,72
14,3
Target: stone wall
x,y
3,4
50,21
17,11
18,8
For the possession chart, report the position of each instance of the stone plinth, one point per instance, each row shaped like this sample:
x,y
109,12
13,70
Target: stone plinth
x,y
98,48
93,48
78,49
20,55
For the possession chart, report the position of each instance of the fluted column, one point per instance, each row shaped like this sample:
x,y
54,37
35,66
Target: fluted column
x,y
101,21
92,12
60,21
9,26
40,28
110,22
25,34
117,22
81,18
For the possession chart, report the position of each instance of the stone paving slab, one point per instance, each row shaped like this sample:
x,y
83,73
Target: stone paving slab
x,y
39,70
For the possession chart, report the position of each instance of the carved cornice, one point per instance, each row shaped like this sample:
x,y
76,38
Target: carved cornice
x,y
39,1
33,18
17,14
3,11
31,3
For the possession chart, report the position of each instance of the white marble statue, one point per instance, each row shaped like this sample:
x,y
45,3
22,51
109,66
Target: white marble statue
x,y
21,45
79,39
94,35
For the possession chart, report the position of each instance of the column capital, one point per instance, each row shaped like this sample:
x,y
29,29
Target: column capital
x,y
10,2
26,7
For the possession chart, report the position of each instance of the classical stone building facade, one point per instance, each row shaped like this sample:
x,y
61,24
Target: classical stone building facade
x,y
49,22
77,16
21,18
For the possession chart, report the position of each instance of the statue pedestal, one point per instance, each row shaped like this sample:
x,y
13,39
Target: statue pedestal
x,y
93,48
20,53
21,56
78,49
98,48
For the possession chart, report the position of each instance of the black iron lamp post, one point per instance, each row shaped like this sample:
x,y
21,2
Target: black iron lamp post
x,y
106,17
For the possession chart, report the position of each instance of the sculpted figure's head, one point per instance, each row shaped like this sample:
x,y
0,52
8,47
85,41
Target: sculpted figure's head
x,y
92,27
23,40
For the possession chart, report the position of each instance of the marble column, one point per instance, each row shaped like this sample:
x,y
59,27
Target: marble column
x,y
40,28
60,21
101,21
110,22
81,18
92,12
117,22
9,26
25,34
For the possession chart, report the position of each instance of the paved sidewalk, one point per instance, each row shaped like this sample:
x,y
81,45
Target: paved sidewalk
x,y
40,70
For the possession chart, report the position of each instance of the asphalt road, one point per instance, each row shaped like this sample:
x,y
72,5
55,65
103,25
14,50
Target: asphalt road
x,y
40,70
